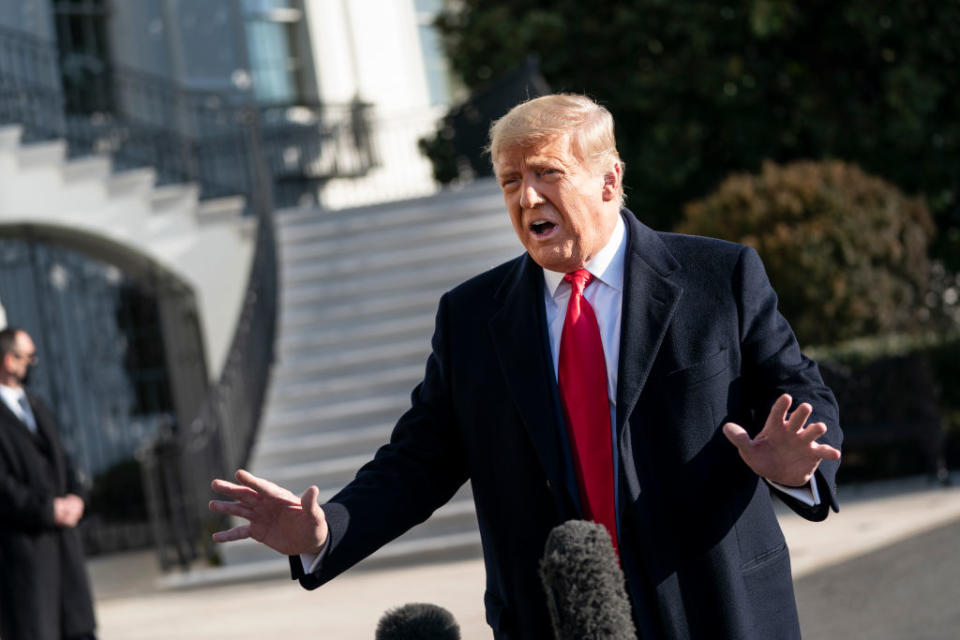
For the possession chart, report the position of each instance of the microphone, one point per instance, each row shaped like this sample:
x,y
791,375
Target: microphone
x,y
418,621
585,586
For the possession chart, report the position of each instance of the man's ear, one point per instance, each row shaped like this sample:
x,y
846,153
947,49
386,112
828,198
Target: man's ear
x,y
611,182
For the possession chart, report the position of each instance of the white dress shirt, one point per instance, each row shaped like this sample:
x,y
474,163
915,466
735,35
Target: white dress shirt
x,y
13,398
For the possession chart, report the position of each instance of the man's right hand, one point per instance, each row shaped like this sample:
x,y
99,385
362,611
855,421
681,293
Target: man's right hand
x,y
277,517
67,510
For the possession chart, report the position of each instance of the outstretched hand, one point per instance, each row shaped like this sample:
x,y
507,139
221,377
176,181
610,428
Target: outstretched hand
x,y
276,517
785,451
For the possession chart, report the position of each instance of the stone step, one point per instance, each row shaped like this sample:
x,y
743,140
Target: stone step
x,y
358,360
483,196
135,182
310,340
392,306
224,209
42,154
498,249
90,168
440,276
10,135
273,450
410,236
388,379
315,394
174,198
341,415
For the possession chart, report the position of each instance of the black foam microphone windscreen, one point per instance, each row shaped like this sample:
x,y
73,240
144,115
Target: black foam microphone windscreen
x,y
418,621
585,587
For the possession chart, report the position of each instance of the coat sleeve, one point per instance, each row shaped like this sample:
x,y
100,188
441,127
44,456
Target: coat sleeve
x,y
773,364
418,471
74,481
24,507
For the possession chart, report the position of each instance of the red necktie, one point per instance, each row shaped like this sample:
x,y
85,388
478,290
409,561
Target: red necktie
x,y
583,391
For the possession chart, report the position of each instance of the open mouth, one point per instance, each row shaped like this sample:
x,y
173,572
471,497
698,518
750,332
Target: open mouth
x,y
542,227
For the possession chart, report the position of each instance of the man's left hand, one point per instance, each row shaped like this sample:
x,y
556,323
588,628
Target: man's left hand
x,y
786,450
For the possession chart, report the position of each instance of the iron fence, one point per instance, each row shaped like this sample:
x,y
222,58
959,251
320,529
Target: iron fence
x,y
178,466
214,139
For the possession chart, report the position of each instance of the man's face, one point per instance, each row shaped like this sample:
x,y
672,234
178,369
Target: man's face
x,y
563,210
18,360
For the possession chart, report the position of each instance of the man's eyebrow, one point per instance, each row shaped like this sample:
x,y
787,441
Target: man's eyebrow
x,y
544,161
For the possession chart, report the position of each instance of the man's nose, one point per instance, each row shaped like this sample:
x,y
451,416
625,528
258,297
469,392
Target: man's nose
x,y
530,197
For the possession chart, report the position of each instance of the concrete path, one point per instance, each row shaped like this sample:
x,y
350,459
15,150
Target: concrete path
x,y
130,606
910,589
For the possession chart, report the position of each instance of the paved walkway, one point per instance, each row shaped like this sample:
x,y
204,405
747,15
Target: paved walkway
x,y
131,606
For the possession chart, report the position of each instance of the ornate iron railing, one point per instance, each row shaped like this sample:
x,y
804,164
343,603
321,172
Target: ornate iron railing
x,y
179,467
214,139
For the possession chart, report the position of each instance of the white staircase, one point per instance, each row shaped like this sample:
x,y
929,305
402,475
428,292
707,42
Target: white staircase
x,y
358,297
206,244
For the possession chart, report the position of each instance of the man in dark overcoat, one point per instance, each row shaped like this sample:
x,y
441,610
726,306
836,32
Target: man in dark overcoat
x,y
639,379
44,590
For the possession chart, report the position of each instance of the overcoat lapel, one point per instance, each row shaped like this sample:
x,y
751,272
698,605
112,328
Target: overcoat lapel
x,y
519,334
650,299
19,430
48,436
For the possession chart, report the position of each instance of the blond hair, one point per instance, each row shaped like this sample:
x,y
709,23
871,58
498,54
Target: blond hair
x,y
537,121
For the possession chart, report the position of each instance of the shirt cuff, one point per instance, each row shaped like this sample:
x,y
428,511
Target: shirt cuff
x,y
312,561
807,494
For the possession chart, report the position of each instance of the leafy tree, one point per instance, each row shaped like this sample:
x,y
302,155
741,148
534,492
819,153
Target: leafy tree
x,y
847,252
701,88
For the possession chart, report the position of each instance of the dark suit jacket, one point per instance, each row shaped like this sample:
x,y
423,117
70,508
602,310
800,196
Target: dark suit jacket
x,y
701,344
44,592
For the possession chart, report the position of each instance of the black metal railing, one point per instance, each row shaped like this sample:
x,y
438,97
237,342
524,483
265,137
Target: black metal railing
x,y
30,90
178,467
214,139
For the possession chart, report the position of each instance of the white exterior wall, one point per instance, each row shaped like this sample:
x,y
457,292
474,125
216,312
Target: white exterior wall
x,y
370,49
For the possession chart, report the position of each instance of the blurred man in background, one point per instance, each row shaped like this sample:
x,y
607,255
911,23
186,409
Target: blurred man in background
x,y
44,590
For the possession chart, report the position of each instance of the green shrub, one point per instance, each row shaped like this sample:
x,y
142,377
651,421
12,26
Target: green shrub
x,y
846,252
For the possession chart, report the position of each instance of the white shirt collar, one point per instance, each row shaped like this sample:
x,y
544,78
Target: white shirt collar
x,y
606,266
11,393
11,398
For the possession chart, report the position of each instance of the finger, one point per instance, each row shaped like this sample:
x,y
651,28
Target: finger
x,y
235,491
309,501
232,509
812,432
826,452
778,412
799,417
261,485
737,435
237,533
